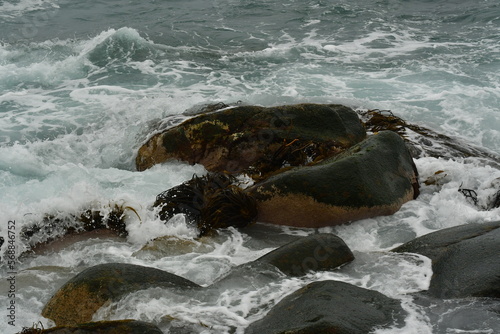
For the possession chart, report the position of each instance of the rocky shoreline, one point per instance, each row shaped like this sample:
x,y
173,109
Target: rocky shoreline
x,y
312,166
464,260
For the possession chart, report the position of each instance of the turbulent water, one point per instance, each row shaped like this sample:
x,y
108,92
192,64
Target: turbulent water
x,y
84,83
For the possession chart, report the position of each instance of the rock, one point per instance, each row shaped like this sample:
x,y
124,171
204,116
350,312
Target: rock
x,y
423,142
54,232
84,294
265,139
172,246
330,307
316,252
372,178
465,260
102,327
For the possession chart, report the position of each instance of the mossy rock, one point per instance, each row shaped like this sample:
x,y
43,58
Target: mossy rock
x,y
317,252
330,307
101,327
465,260
372,178
78,300
238,138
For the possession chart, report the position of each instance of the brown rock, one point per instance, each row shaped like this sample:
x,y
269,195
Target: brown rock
x,y
250,136
78,300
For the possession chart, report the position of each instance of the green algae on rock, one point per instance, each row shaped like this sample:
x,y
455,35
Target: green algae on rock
x,y
237,138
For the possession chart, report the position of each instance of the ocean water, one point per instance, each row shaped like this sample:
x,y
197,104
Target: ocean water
x,y
83,84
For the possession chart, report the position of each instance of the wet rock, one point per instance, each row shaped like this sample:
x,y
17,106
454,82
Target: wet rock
x,y
265,139
316,252
101,327
372,178
423,142
84,294
54,232
172,246
330,307
465,260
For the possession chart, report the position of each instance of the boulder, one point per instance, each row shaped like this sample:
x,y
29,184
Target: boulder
x,y
372,178
265,139
330,307
102,327
84,294
312,253
465,260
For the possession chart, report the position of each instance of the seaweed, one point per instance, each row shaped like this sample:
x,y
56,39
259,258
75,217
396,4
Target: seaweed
x,y
37,328
210,202
55,226
292,154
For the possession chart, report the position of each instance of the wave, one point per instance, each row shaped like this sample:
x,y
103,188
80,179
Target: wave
x,y
12,9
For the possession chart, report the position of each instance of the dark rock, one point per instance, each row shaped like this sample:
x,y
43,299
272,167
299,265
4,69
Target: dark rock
x,y
102,327
84,294
57,231
330,307
312,253
265,139
423,142
465,260
372,178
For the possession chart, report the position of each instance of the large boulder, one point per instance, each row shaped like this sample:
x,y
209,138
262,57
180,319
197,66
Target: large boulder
x,y
78,300
465,260
237,138
312,253
330,307
372,178
102,327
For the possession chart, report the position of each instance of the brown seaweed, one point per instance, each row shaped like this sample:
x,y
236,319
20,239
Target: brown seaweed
x,y
210,202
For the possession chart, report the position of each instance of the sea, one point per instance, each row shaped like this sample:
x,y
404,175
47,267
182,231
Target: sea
x,y
83,84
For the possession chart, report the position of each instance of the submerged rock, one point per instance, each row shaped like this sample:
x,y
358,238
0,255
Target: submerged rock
x,y
330,307
316,252
372,178
172,246
265,139
78,300
465,260
101,327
